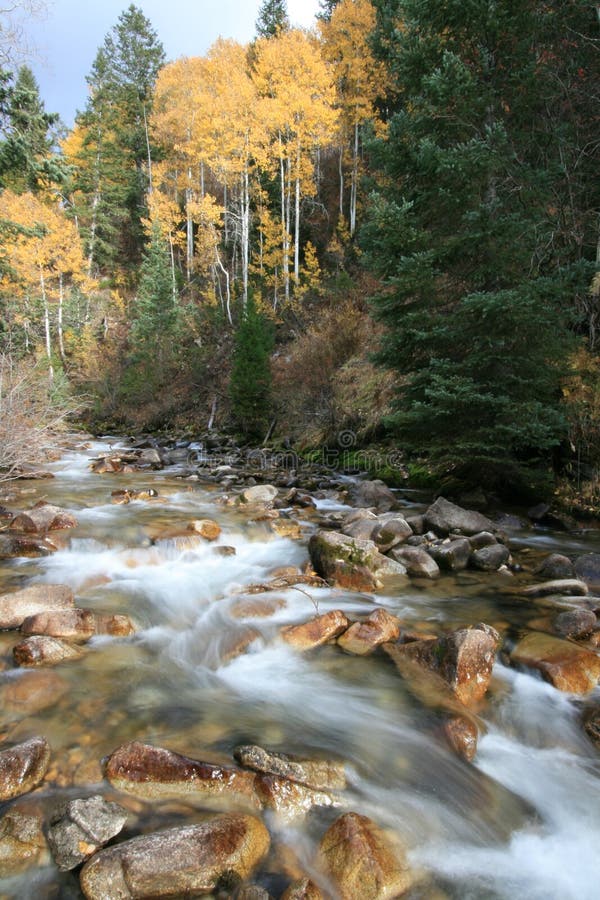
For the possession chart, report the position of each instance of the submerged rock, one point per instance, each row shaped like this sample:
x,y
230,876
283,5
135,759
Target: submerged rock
x,y
587,567
29,546
318,774
156,773
22,842
23,767
259,493
29,601
564,664
31,692
184,861
206,528
39,650
317,631
417,561
82,827
288,798
565,586
303,889
462,735
364,637
362,861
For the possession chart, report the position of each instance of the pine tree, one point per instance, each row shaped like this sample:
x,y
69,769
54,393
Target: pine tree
x,y
326,9
154,322
272,18
250,385
115,164
465,232
26,154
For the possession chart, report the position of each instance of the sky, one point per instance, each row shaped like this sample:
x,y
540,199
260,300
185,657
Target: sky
x,y
63,41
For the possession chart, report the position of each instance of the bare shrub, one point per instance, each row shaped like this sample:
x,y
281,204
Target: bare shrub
x,y
32,416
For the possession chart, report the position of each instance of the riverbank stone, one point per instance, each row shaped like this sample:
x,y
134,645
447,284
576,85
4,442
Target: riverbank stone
x,y
350,562
183,861
23,767
372,494
42,518
22,842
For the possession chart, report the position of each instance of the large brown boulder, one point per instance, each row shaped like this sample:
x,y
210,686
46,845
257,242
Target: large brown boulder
x,y
564,664
186,861
77,624
464,659
417,561
317,631
42,518
156,773
364,637
37,598
362,861
29,546
350,562
320,774
446,518
23,767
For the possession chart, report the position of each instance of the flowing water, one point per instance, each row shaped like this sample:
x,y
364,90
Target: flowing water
x,y
522,821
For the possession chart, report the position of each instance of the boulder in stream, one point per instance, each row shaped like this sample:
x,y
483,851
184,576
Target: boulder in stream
x,y
463,659
350,562
417,561
192,860
564,664
206,528
363,861
575,623
39,650
587,567
303,889
372,494
489,558
81,827
446,518
317,631
77,625
451,555
156,773
555,566
23,767
462,735
22,842
572,587
289,799
36,598
42,518
364,637
315,773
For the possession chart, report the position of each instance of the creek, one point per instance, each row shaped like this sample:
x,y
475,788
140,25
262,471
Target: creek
x,y
521,821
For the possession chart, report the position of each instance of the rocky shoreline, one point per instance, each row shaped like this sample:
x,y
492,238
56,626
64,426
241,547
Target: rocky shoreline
x,y
369,544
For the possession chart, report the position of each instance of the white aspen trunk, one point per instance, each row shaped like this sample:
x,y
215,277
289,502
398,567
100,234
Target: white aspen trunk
x,y
245,233
341,171
202,179
61,297
95,204
189,229
354,188
285,239
173,274
47,326
297,222
227,288
225,215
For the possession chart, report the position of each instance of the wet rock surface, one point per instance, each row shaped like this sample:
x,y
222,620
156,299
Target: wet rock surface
x,y
318,774
364,637
362,861
155,772
22,842
184,861
36,598
565,665
23,767
317,631
45,651
82,827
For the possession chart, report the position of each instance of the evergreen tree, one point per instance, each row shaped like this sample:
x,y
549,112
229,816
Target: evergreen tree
x,y
26,153
117,156
466,231
154,337
250,385
272,18
326,9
